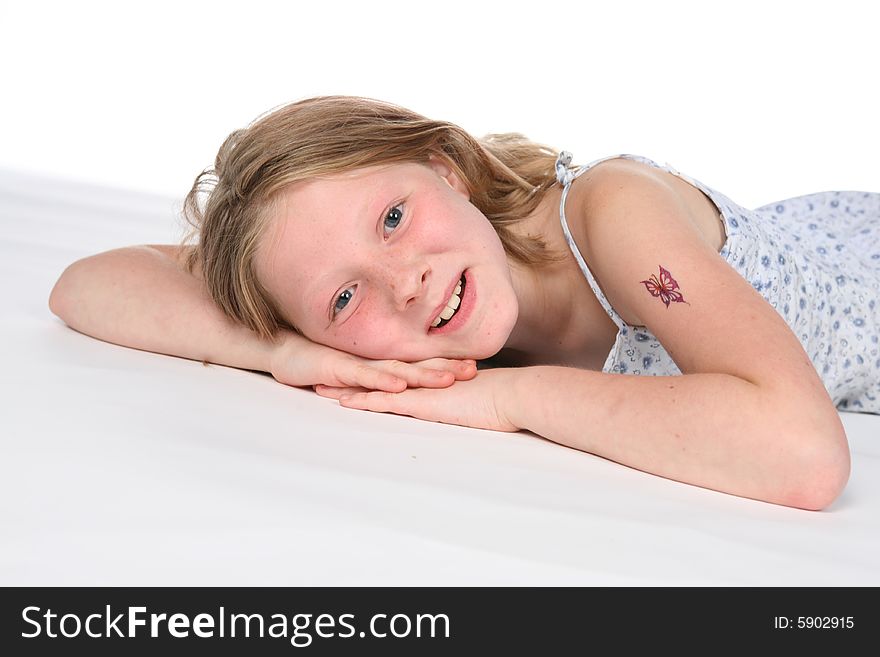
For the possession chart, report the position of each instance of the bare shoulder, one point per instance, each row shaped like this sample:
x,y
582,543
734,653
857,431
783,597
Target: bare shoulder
x,y
611,182
612,177
173,251
624,176
179,255
620,184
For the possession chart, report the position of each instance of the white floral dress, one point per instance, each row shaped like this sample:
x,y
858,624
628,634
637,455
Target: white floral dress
x,y
815,258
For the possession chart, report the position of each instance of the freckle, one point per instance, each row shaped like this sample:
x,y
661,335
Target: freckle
x,y
355,343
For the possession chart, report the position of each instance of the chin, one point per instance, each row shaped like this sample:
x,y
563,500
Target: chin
x,y
497,333
485,350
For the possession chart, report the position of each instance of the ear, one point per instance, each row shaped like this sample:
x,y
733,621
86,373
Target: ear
x,y
443,168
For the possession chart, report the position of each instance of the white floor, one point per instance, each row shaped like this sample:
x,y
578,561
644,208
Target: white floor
x,y
123,467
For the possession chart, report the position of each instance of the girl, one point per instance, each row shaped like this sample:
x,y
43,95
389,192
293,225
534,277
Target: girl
x,y
620,308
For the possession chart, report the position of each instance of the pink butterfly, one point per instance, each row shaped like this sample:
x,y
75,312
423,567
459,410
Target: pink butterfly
x,y
665,288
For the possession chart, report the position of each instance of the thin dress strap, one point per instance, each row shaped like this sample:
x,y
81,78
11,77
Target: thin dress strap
x,y
565,176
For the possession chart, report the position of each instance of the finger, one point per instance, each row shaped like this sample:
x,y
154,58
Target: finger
x,y
414,402
467,371
415,374
335,392
433,373
462,369
372,376
379,402
426,378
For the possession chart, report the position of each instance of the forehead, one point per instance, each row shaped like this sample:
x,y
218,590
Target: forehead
x,y
327,201
334,199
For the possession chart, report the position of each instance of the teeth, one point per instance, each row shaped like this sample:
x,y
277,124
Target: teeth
x,y
451,306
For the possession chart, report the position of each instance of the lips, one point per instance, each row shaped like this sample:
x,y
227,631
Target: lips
x,y
461,316
443,306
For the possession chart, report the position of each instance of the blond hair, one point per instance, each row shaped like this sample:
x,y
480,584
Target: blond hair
x,y
506,176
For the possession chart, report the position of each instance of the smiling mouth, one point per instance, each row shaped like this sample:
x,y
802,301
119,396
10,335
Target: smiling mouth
x,y
452,305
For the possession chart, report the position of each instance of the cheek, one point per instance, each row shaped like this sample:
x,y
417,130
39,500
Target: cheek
x,y
368,335
441,223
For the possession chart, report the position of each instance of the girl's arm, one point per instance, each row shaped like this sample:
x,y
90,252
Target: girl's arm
x,y
710,430
141,297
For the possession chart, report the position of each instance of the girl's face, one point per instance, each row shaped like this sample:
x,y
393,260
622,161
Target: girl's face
x,y
366,261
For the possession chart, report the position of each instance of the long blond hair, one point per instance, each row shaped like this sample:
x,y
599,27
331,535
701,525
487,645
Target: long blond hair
x,y
506,174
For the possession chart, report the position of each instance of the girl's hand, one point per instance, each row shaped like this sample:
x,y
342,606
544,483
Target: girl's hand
x,y
479,402
298,361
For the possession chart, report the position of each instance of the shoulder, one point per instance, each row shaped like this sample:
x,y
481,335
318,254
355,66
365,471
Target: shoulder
x,y
182,256
616,180
611,208
613,194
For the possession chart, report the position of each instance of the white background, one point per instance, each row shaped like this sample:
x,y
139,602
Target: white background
x,y
125,467
760,100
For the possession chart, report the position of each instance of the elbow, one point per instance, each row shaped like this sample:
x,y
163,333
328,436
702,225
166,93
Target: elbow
x,y
56,297
61,291
823,470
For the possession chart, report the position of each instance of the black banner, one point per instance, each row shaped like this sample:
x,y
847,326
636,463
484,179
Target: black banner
x,y
431,621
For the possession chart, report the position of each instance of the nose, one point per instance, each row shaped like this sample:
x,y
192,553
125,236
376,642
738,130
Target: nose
x,y
408,284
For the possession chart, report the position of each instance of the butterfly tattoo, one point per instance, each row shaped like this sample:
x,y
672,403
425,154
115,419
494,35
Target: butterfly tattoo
x,y
666,287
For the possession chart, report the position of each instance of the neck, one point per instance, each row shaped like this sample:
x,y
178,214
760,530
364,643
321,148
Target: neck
x,y
544,294
545,312
560,320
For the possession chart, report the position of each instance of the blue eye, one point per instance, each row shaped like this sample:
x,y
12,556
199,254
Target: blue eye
x,y
342,300
393,218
